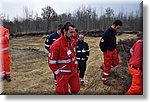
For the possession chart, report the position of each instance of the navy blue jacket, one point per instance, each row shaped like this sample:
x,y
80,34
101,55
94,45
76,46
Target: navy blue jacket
x,y
82,51
108,40
50,39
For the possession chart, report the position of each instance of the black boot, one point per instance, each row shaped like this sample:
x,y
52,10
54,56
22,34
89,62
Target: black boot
x,y
101,67
4,77
8,78
82,82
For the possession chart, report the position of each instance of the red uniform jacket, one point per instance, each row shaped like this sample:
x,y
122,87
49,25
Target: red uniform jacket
x,y
4,34
137,57
62,56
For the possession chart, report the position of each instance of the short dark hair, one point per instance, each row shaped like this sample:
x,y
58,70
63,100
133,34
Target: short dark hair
x,y
60,26
76,30
66,27
117,22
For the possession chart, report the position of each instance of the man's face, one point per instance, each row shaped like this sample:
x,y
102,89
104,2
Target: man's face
x,y
81,37
70,33
75,34
117,27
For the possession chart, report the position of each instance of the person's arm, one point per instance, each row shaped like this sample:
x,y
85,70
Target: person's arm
x,y
131,51
48,42
78,50
103,43
88,52
5,36
53,57
47,45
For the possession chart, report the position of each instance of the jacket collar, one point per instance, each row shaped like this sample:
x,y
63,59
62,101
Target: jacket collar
x,y
64,39
111,29
80,41
57,34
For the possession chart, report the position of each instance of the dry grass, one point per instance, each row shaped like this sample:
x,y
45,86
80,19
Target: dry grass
x,y
31,75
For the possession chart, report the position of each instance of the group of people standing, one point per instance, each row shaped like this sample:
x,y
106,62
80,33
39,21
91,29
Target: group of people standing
x,y
68,54
111,59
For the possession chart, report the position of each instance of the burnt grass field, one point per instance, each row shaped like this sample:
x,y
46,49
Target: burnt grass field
x,y
31,75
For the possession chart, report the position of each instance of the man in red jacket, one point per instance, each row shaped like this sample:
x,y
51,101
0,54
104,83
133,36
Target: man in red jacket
x,y
62,61
4,51
75,36
135,68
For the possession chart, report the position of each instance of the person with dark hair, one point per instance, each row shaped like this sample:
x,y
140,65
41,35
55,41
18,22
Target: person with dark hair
x,y
75,37
50,39
62,61
82,51
108,47
117,22
65,27
53,37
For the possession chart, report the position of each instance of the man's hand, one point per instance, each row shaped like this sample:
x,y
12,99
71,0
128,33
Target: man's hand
x,y
131,51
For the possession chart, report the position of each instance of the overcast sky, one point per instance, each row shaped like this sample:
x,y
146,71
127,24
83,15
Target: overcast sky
x,y
14,8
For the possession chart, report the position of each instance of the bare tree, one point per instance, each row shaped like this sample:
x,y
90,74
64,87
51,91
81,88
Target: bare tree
x,y
85,18
108,16
26,15
49,15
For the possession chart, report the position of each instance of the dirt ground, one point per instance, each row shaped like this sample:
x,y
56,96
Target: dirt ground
x,y
31,75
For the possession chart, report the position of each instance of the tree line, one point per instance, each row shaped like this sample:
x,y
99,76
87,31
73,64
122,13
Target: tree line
x,y
85,19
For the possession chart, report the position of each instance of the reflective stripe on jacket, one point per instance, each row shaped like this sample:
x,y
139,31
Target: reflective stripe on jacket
x,y
82,51
4,34
62,56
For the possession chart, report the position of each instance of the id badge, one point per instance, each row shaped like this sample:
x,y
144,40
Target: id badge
x,y
69,52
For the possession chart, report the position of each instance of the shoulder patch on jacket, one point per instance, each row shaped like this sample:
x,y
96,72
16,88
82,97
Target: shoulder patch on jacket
x,y
102,40
47,40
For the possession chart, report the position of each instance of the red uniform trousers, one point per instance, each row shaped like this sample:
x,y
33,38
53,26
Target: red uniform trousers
x,y
136,87
64,80
110,59
6,63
